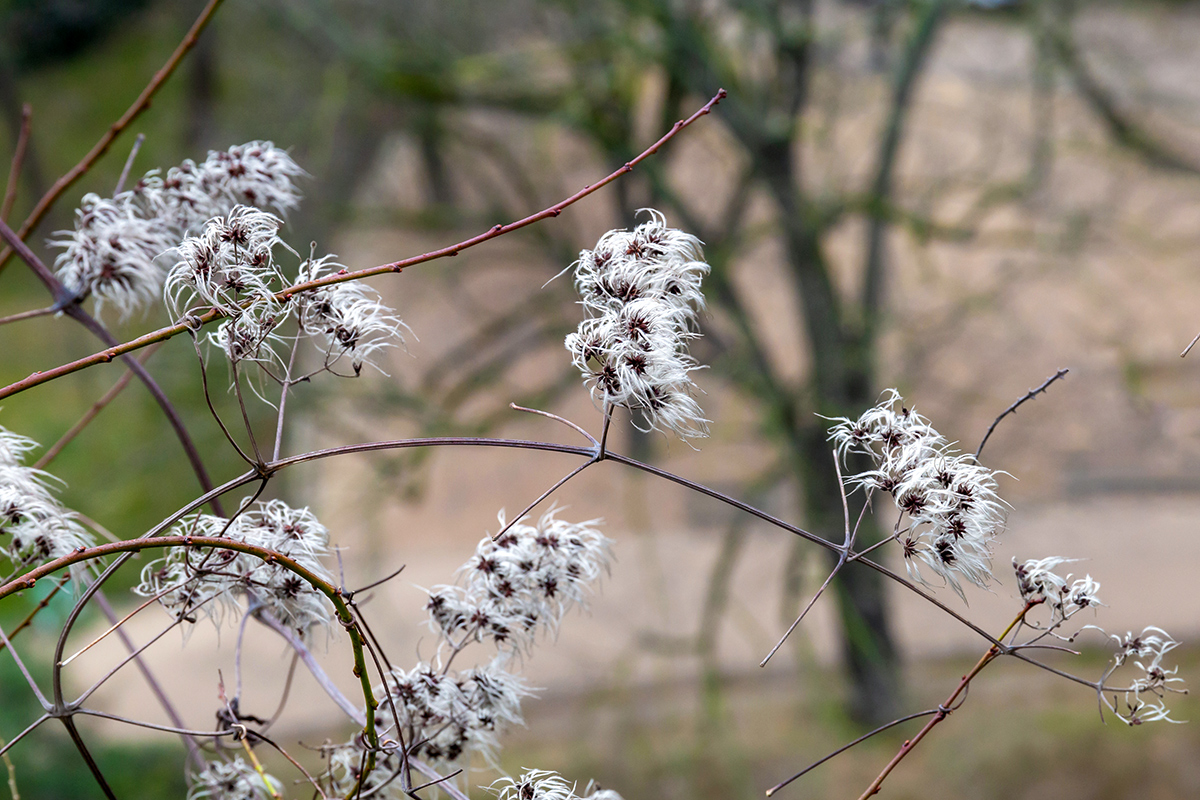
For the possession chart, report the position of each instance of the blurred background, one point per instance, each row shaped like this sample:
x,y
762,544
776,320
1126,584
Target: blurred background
x,y
952,199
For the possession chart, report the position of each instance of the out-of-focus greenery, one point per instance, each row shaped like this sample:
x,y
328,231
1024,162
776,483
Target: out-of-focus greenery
x,y
46,766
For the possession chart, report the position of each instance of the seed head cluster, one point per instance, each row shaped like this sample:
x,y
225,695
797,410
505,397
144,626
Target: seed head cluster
x,y
34,525
640,290
948,500
523,582
1144,695
437,715
230,266
344,320
1144,699
540,784
121,247
193,581
512,588
232,779
1038,583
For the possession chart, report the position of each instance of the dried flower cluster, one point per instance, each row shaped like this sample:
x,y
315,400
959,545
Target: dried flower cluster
x,y
344,319
232,780
540,784
202,580
435,715
120,247
34,525
641,292
1039,584
231,261
230,266
523,582
1155,679
949,501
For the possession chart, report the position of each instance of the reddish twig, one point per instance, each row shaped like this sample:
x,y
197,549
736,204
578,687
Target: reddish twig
x,y
107,355
114,130
947,706
847,746
333,593
25,623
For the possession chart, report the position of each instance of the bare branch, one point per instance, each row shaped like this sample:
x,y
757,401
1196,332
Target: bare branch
x,y
101,147
1032,393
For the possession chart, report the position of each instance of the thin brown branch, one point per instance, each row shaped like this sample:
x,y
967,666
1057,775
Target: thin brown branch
x,y
1191,344
69,723
25,623
101,147
31,314
847,746
557,418
37,691
28,729
1032,393
113,627
375,583
558,484
91,712
947,705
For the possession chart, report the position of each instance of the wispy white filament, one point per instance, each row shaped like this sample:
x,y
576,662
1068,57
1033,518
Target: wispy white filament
x,y
34,525
191,581
121,248
641,292
949,501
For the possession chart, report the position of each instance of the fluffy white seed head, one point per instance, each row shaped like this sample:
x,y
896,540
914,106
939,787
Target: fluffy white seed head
x,y
1038,583
534,784
232,780
230,261
522,583
112,253
34,526
441,717
540,784
344,320
200,581
641,292
255,174
951,507
121,248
